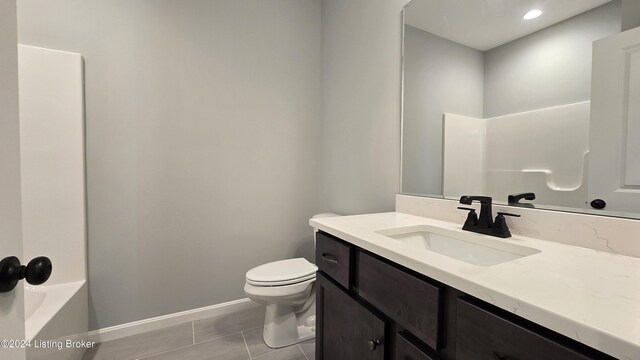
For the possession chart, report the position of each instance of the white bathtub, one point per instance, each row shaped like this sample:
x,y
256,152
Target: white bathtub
x,y
46,308
53,314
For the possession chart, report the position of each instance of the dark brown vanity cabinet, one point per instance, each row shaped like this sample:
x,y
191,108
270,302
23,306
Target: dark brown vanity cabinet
x,y
333,257
483,335
348,329
369,308
408,300
407,349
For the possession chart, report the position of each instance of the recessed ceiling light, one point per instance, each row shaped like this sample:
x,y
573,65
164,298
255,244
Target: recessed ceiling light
x,y
532,14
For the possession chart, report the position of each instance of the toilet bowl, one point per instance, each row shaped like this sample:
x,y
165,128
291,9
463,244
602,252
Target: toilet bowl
x,y
287,289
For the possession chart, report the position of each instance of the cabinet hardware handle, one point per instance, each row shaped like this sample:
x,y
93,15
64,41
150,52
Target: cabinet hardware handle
x,y
373,344
329,258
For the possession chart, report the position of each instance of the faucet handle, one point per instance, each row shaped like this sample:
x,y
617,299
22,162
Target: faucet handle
x,y
508,214
500,227
472,218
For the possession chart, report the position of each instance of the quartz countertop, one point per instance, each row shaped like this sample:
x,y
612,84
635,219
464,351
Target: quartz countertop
x,y
587,295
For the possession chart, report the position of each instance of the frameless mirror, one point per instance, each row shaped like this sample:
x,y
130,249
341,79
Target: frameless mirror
x,y
510,97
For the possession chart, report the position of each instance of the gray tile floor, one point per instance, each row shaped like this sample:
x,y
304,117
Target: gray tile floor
x,y
229,337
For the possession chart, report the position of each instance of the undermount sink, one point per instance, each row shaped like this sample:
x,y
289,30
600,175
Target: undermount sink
x,y
468,247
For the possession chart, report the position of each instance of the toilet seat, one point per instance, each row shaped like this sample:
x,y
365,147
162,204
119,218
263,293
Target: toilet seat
x,y
293,293
281,283
280,273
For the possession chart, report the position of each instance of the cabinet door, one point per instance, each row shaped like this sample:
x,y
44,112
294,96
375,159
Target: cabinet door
x,y
406,299
485,335
407,349
345,328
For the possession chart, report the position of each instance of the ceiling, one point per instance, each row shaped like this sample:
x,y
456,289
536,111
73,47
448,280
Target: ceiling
x,y
500,20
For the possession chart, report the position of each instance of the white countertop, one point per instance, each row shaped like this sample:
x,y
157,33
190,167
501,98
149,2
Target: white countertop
x,y
587,295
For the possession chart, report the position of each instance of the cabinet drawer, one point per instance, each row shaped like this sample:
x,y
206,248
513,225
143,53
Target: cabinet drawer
x,y
406,349
408,300
483,335
333,257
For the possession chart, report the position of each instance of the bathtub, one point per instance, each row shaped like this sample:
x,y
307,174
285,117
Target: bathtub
x,y
53,315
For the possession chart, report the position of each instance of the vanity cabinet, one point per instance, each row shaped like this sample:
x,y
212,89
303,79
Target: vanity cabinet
x,y
386,287
349,329
371,308
406,349
483,335
333,258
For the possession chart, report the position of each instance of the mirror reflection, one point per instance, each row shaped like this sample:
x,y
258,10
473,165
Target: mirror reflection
x,y
515,98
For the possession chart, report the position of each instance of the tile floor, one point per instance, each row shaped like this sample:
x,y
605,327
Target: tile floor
x,y
227,337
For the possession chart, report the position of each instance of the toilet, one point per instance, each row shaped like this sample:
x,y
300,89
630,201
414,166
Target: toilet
x,y
287,289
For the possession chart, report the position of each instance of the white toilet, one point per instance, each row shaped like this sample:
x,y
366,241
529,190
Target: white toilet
x,y
287,288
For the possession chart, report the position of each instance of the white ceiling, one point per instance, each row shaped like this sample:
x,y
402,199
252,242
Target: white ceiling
x,y
485,24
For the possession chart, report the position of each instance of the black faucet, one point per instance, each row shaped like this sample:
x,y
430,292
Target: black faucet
x,y
485,224
514,200
486,215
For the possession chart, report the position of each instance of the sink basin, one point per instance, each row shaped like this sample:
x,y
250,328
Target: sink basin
x,y
468,247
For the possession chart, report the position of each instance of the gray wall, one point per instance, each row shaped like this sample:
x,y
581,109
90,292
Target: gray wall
x,y
440,76
10,209
202,124
548,68
361,42
630,14
11,304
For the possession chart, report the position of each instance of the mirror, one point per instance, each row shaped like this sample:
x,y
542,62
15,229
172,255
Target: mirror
x,y
499,102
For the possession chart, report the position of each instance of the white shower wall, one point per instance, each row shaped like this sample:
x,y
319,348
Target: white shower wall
x,y
463,155
51,90
52,160
543,151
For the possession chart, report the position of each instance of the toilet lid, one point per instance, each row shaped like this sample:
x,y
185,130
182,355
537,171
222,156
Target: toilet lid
x,y
282,272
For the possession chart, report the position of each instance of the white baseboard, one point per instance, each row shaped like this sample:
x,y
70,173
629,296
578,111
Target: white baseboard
x,y
160,322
